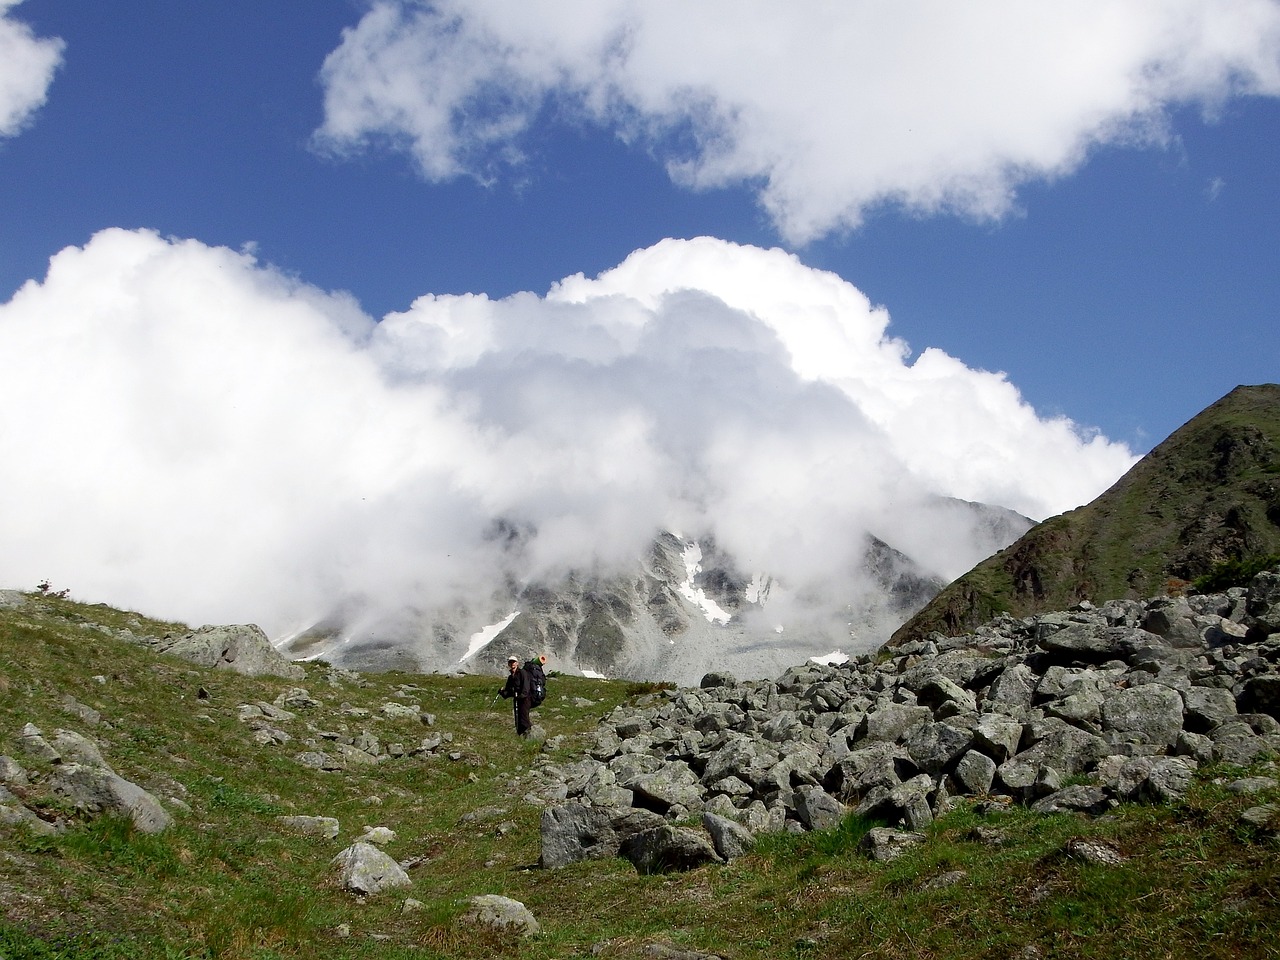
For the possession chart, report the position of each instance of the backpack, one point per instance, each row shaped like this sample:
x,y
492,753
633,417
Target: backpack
x,y
537,681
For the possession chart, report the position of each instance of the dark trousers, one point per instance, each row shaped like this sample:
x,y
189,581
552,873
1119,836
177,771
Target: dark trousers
x,y
520,705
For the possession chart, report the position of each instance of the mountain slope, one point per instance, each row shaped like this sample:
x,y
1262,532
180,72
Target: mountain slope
x,y
1208,494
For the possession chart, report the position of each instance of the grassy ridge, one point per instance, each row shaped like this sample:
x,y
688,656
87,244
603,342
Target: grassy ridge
x,y
228,882
1207,495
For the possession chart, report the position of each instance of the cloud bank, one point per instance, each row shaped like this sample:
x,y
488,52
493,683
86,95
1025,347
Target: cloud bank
x,y
827,110
27,65
191,433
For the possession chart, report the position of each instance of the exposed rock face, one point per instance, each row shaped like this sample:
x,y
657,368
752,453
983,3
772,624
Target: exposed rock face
x,y
1208,494
1017,709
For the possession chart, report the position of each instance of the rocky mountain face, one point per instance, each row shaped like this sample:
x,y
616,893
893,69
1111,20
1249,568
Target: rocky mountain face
x,y
685,608
1069,711
1208,494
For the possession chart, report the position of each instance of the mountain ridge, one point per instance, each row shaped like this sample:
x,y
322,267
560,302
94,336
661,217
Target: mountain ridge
x,y
1208,494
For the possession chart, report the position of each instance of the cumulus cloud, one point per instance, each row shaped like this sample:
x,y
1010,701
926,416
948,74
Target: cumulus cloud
x,y
27,65
192,433
826,109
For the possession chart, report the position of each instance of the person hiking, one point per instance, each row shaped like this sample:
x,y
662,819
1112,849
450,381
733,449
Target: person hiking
x,y
519,689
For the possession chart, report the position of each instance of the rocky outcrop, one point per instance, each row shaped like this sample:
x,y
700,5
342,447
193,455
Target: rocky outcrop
x,y
1072,711
72,767
243,648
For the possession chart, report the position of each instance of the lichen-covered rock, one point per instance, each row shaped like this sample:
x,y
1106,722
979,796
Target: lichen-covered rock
x,y
883,844
501,914
730,838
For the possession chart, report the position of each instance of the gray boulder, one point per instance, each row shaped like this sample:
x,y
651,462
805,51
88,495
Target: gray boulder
x,y
883,844
13,773
242,648
731,839
575,831
817,809
1151,713
364,869
31,743
1076,799
97,790
501,914
1261,694
1264,601
667,848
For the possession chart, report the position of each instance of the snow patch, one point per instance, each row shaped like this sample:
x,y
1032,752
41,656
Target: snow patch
x,y
487,635
832,659
694,594
758,589
592,675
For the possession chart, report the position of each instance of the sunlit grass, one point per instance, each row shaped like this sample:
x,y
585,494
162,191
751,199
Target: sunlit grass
x,y
230,881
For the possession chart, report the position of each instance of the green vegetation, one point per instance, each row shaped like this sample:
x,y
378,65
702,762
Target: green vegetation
x,y
1234,573
228,882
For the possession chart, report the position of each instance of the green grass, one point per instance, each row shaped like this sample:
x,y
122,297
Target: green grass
x,y
229,882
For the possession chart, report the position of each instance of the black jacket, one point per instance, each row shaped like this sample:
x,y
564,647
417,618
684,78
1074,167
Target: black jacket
x,y
518,685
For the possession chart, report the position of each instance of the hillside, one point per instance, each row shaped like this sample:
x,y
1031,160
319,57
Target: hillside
x,y
431,758
1208,494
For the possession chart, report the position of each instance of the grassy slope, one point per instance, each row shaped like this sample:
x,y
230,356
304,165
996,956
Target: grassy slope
x,y
1209,493
227,882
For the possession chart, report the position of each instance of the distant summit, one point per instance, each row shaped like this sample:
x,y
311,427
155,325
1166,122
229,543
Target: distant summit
x,y
1207,495
682,610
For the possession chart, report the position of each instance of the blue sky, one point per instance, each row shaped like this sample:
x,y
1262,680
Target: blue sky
x,y
1110,247
1125,295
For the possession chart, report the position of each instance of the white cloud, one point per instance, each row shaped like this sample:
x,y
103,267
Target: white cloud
x,y
27,65
191,433
826,109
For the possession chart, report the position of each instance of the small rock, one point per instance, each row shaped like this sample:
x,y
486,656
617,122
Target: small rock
x,y
326,827
1094,851
377,835
502,914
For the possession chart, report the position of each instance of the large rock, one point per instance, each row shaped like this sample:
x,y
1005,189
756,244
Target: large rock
x,y
1151,713
95,790
575,831
730,838
242,648
364,869
883,844
667,848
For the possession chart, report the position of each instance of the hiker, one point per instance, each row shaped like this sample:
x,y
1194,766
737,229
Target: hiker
x,y
519,688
